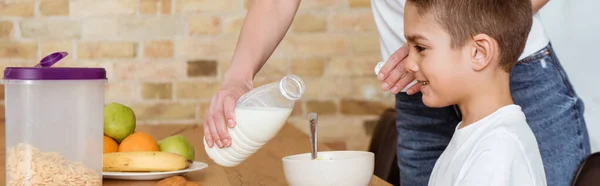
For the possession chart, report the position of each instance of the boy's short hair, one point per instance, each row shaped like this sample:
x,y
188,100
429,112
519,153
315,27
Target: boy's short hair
x,y
507,21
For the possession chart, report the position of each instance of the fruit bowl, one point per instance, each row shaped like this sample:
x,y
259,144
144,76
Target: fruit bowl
x,y
347,168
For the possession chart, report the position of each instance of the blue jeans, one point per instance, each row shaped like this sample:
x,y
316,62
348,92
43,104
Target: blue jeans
x,y
553,110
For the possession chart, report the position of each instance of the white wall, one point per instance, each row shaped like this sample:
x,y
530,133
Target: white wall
x,y
574,28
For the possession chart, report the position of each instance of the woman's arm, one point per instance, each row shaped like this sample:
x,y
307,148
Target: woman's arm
x,y
265,25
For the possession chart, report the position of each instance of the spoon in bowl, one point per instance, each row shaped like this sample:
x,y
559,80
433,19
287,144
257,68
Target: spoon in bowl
x,y
313,120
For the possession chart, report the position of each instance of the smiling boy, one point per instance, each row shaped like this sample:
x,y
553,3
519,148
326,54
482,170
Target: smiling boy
x,y
462,52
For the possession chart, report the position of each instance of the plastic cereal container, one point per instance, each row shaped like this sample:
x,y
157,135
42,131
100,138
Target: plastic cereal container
x,y
54,124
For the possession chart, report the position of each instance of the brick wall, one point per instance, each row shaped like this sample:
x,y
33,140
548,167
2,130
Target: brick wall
x,y
166,58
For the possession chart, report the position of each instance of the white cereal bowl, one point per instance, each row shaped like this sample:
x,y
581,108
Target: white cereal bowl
x,y
345,168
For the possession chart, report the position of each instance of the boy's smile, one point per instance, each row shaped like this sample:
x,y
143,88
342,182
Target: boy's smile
x,y
423,82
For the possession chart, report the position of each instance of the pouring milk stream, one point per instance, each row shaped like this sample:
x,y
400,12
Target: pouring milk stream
x,y
259,115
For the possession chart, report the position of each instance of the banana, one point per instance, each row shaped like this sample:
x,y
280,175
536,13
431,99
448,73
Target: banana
x,y
143,161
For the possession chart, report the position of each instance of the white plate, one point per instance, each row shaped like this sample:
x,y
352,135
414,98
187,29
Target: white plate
x,y
196,166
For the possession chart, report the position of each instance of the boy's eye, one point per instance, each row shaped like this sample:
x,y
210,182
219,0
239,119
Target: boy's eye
x,y
419,48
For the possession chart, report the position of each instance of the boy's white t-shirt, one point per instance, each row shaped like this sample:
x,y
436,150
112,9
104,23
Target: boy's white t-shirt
x,y
389,19
499,149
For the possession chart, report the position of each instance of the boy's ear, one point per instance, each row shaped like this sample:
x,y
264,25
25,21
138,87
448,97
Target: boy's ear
x,y
483,52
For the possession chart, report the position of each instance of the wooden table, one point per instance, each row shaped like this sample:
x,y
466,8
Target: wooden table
x,y
262,168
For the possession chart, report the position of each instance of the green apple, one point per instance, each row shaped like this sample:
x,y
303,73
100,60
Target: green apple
x,y
179,145
119,121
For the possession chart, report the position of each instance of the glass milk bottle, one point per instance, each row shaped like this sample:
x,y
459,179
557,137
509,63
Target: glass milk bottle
x,y
259,115
54,124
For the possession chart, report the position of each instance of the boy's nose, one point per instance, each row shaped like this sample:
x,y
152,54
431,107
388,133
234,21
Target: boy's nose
x,y
410,65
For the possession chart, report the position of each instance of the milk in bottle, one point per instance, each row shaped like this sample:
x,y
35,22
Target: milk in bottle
x,y
259,115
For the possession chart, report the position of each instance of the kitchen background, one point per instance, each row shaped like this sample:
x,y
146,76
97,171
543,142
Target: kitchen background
x,y
166,58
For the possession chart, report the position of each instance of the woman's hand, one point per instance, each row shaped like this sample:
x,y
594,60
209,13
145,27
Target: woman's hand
x,y
221,112
393,75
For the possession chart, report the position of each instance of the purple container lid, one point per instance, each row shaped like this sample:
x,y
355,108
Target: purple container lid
x,y
43,71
